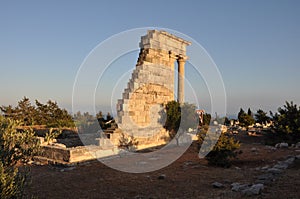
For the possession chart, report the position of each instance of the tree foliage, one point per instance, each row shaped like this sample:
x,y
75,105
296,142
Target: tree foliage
x,y
226,121
249,112
52,134
49,114
261,117
15,146
242,112
180,116
224,149
245,119
89,123
287,120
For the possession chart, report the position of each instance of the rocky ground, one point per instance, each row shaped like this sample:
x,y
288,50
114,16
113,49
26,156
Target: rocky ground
x,y
259,172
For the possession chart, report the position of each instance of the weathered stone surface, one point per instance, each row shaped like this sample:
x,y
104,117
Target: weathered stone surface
x,y
290,161
59,145
281,165
282,145
238,187
274,171
253,190
265,178
64,155
140,111
271,148
217,185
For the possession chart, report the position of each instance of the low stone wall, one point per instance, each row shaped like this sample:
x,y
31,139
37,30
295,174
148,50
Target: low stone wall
x,y
75,154
56,153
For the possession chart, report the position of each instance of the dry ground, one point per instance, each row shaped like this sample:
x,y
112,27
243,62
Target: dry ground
x,y
188,177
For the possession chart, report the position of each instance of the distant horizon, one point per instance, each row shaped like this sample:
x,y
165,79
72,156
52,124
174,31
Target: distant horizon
x,y
254,44
107,109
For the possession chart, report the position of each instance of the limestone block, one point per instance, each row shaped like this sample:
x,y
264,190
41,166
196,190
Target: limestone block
x,y
152,83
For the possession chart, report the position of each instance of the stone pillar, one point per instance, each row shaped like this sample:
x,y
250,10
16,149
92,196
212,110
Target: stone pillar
x,y
181,62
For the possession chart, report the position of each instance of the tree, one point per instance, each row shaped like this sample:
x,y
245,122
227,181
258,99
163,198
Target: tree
x,y
101,120
242,112
86,123
287,120
261,117
245,119
57,117
24,112
226,121
8,111
189,117
49,114
249,112
173,117
180,117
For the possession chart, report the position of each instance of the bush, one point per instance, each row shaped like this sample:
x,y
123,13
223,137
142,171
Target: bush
x,y
52,134
286,123
128,142
223,151
15,146
12,182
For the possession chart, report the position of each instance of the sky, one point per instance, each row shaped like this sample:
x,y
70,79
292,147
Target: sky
x,y
255,45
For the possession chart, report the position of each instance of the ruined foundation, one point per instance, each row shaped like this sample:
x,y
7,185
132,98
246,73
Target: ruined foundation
x,y
140,112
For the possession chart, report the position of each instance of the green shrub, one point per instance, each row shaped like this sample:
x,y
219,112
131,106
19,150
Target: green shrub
x,y
286,124
15,146
224,149
12,182
128,142
52,134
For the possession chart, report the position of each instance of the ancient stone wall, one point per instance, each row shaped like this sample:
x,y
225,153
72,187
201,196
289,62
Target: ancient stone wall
x,y
151,86
60,155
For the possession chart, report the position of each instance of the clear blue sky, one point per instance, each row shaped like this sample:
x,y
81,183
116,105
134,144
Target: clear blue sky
x,y
255,44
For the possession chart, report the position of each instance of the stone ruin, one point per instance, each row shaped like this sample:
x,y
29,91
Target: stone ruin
x,y
140,111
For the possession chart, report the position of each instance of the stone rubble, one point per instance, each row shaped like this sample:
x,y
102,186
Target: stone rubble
x,y
238,187
282,145
269,175
217,185
253,190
